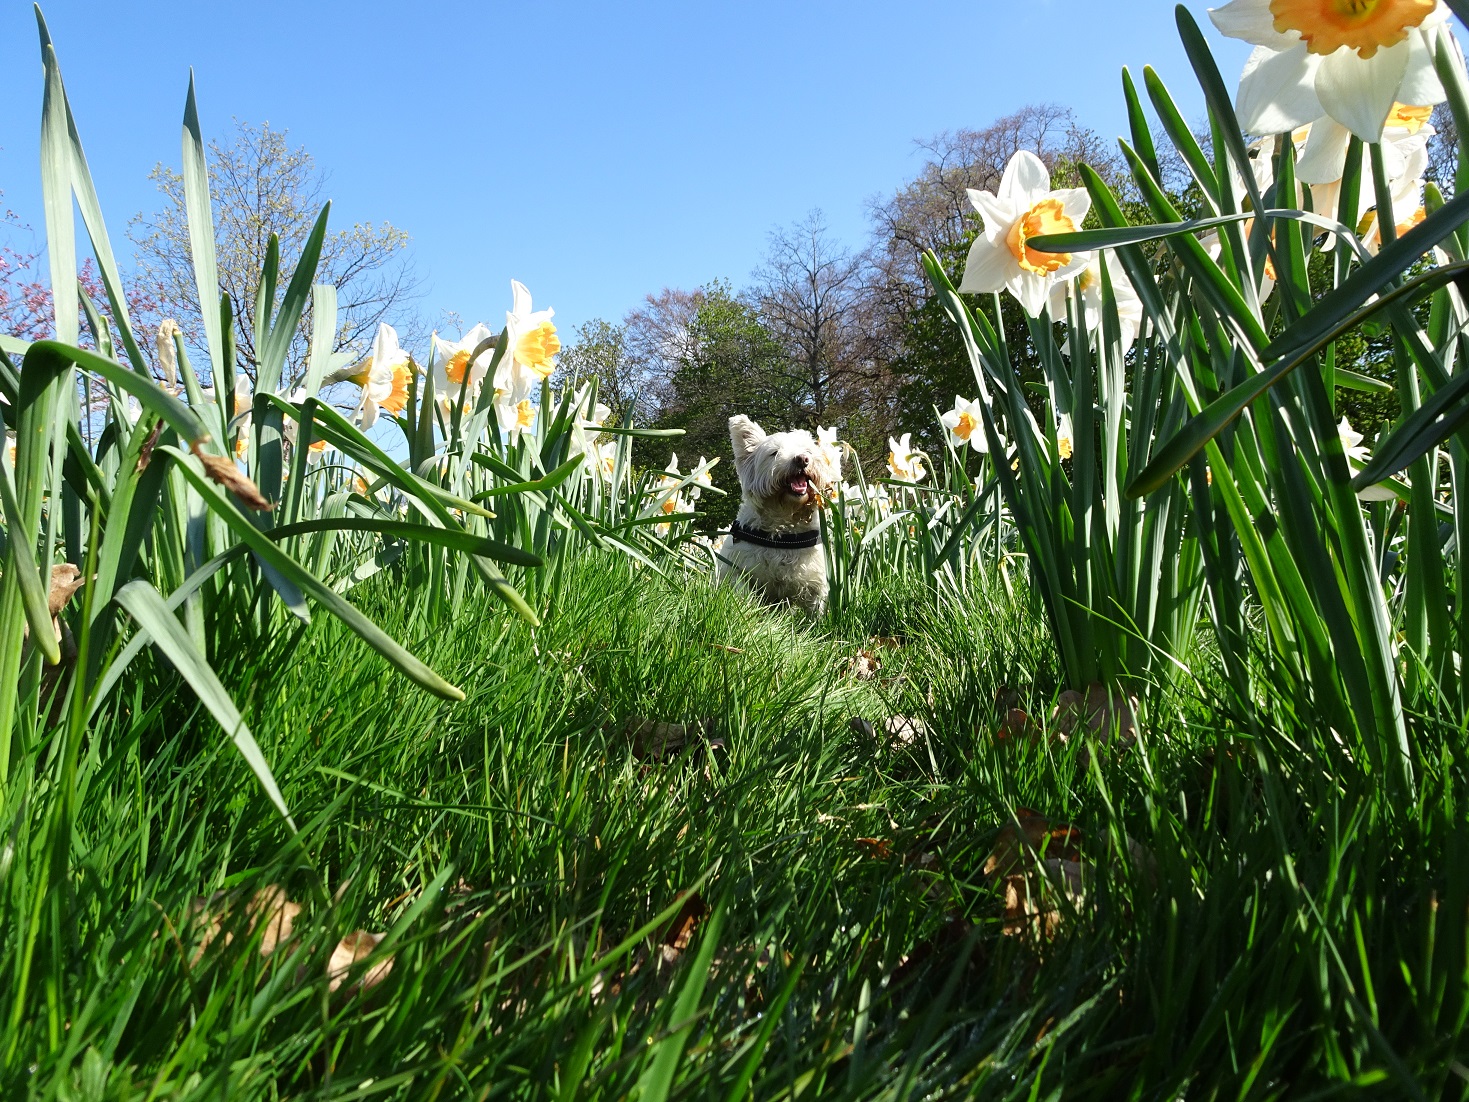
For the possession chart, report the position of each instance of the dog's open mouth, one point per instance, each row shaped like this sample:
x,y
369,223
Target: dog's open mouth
x,y
800,485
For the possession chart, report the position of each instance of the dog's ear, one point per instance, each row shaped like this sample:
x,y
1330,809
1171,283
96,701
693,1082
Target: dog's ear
x,y
744,437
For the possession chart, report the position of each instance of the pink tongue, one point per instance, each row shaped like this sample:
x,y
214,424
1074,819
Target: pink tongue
x,y
799,485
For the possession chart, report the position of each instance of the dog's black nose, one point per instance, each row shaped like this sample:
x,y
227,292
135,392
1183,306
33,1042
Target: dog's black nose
x,y
803,461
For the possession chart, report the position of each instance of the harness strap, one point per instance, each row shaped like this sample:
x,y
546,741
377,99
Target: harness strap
x,y
740,534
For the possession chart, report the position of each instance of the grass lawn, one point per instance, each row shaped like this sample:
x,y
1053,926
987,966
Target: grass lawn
x,y
791,903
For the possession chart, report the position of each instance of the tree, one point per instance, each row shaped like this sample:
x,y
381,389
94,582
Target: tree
x,y
600,351
262,185
1443,149
808,295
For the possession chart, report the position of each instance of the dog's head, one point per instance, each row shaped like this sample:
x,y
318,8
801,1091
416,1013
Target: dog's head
x,y
783,474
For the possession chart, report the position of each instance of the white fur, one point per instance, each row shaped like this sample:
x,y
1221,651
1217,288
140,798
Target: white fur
x,y
766,465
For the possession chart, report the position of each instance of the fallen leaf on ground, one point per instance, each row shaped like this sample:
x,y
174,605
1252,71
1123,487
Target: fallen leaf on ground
x,y
905,730
267,909
1105,713
355,947
1015,726
1029,836
879,848
1032,898
864,665
679,932
655,740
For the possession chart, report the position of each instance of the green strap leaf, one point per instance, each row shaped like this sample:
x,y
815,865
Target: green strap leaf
x,y
261,544
200,212
33,592
147,607
1213,419
277,342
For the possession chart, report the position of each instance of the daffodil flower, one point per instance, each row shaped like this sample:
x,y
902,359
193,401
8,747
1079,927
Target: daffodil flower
x,y
965,423
1407,210
1088,285
1025,207
702,480
532,337
1064,434
1357,458
1349,59
593,418
1323,155
383,377
586,419
452,367
241,405
905,464
516,417
607,459
826,440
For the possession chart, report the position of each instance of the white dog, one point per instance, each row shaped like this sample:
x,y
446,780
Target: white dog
x,y
774,545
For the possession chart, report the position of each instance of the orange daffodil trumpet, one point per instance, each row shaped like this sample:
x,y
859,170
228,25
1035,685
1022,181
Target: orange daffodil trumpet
x,y
1024,208
453,369
965,423
1347,59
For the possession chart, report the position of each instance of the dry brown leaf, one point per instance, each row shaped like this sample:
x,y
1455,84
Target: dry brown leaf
x,y
1017,842
864,665
145,453
879,848
655,740
905,730
1105,713
224,471
1032,898
268,907
355,947
681,928
1015,726
66,579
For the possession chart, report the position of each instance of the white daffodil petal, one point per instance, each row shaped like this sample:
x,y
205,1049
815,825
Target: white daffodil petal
x,y
520,301
1031,290
1359,92
998,215
988,267
1420,85
1276,91
1324,157
1251,21
1026,179
1076,202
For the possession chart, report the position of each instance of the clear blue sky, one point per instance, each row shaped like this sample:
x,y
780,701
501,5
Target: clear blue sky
x,y
596,152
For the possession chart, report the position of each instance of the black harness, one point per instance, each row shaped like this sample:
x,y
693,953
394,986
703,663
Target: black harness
x,y
796,540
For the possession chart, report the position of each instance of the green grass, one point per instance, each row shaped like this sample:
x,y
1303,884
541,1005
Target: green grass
x,y
526,866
